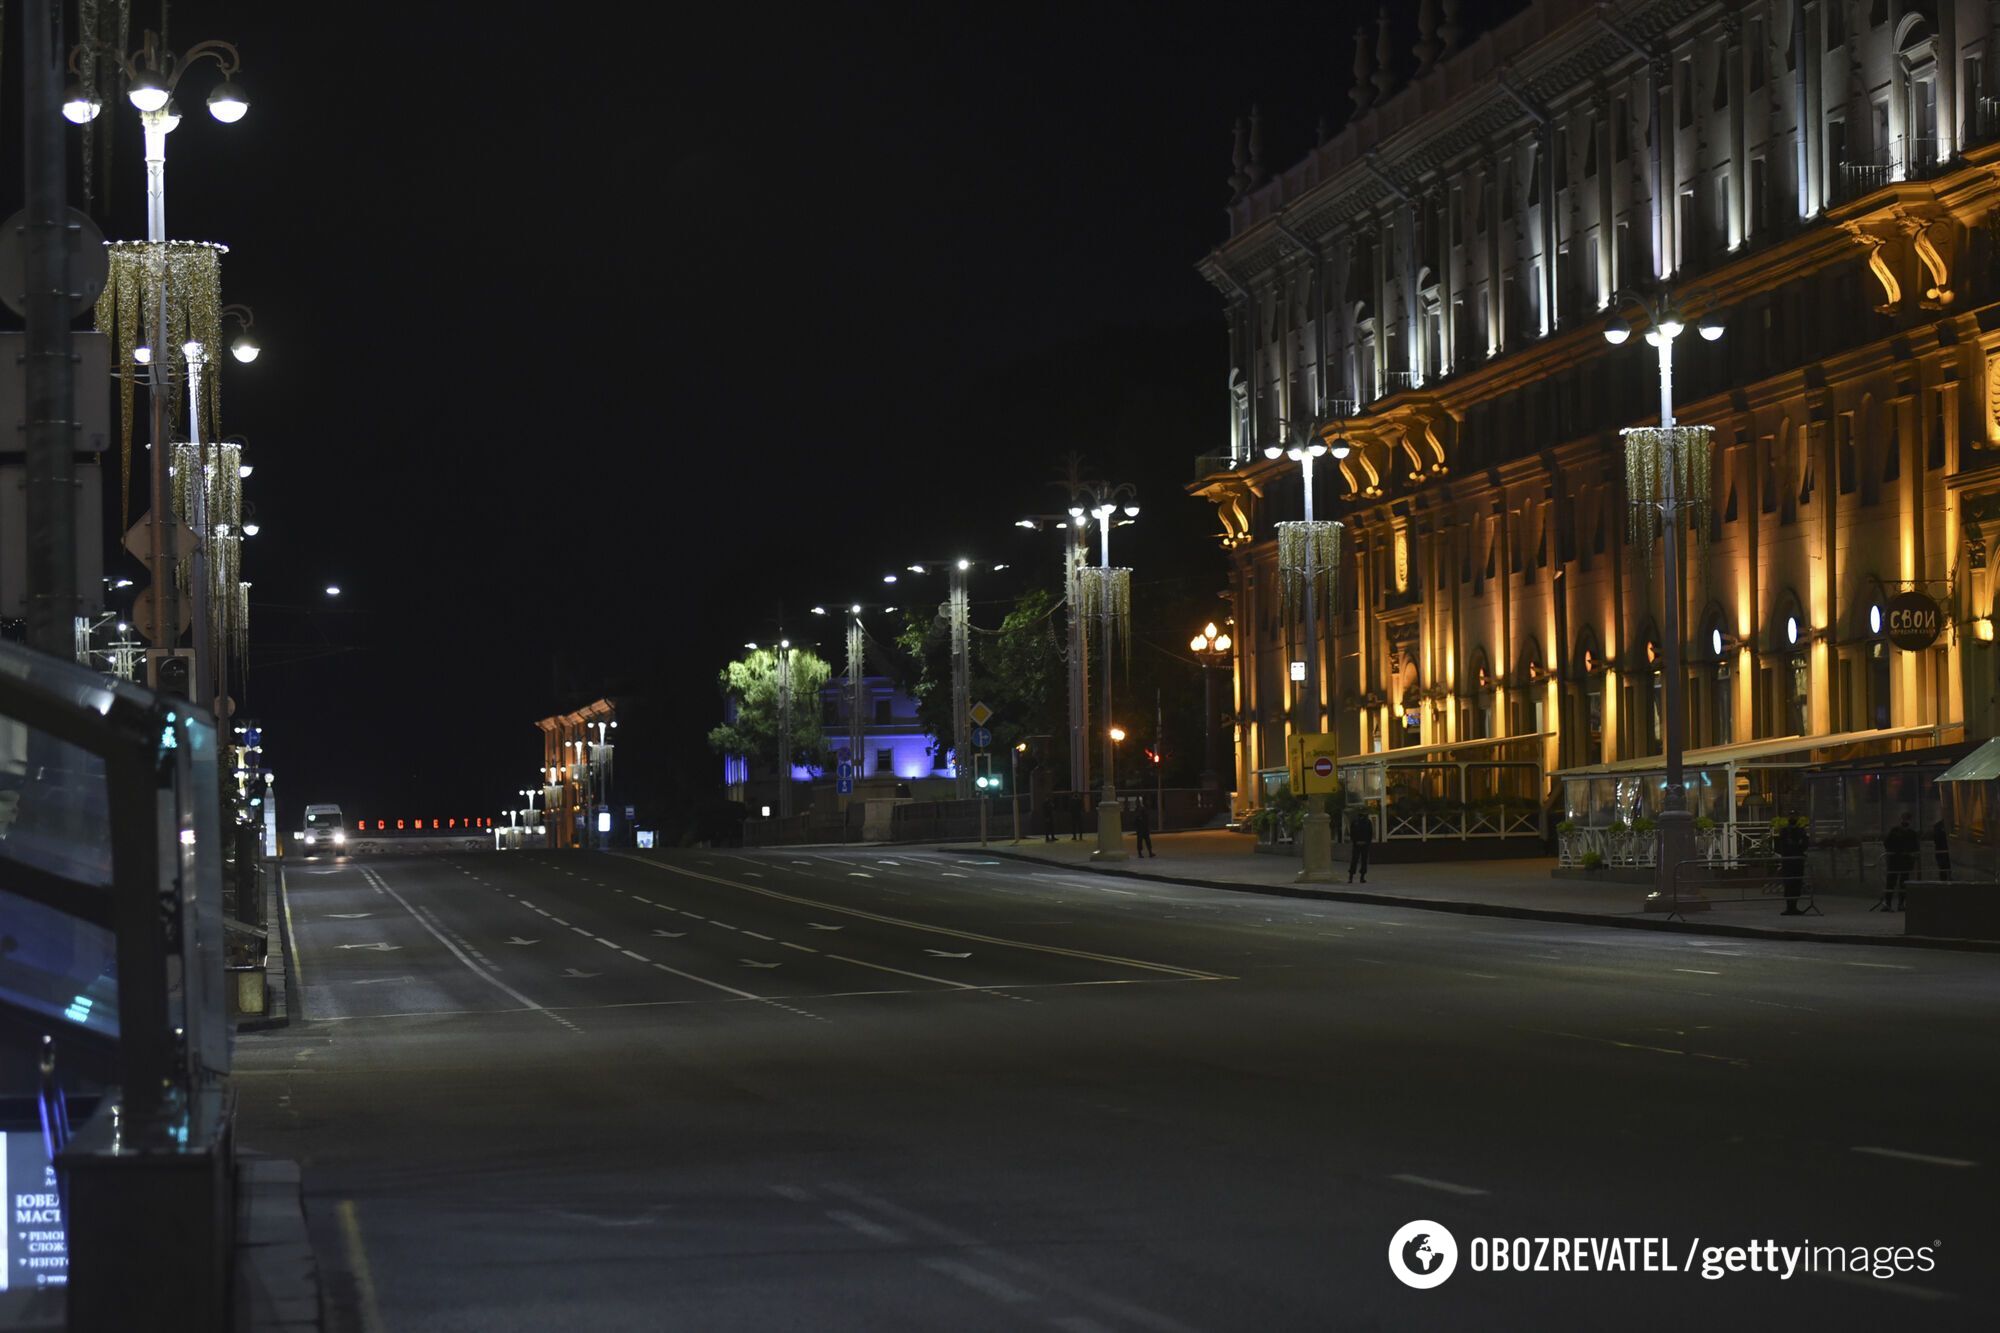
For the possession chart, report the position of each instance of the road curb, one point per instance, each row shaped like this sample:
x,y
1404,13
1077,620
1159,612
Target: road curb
x,y
1507,909
288,993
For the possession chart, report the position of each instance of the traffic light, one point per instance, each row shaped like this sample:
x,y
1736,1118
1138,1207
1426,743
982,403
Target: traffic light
x,y
1152,756
983,776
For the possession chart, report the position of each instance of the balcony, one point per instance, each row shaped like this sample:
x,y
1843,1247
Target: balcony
x,y
1207,465
1920,159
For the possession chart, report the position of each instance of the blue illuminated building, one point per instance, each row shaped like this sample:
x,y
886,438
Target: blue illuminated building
x,y
898,757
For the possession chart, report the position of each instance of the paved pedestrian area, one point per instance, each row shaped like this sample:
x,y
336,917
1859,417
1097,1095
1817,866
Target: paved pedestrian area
x,y
1515,887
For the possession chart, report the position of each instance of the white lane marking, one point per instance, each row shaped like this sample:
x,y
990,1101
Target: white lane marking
x,y
692,916
1126,1311
879,967
801,863
1897,967
382,886
800,947
940,953
1924,1157
375,948
582,930
1483,976
723,924
754,874
755,936
1123,893
347,916
670,934
752,962
518,940
641,957
859,874
888,863
1192,974
983,1283
1429,1183
1698,971
739,994
580,976
1642,1046
558,920
647,901
376,981
796,1193
607,943
953,874
817,926
856,1222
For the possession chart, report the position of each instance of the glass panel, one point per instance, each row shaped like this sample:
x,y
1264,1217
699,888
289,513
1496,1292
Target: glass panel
x,y
55,811
57,967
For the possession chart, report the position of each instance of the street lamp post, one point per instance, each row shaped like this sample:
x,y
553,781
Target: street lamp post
x,y
1314,544
1211,649
1676,822
152,75
1106,501
1074,526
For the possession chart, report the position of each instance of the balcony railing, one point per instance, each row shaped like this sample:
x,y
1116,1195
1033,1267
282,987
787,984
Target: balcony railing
x,y
1395,381
1919,159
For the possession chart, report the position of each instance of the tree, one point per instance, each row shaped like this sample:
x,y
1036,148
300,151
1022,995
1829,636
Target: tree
x,y
1017,671
752,684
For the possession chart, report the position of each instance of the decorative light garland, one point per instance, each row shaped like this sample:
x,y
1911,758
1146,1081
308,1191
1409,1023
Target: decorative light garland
x,y
1319,540
1110,590
1649,452
190,274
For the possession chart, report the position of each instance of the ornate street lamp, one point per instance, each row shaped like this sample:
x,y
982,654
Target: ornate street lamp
x,y
1667,471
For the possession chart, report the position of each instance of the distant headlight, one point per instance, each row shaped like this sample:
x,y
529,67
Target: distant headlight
x,y
339,838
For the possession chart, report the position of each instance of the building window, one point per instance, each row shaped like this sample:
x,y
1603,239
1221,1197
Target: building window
x,y
885,761
1833,16
1798,696
1934,449
1759,184
1850,468
1621,131
1754,51
882,711
1684,91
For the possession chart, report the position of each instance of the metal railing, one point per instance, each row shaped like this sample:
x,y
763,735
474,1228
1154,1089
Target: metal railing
x,y
1699,886
1208,465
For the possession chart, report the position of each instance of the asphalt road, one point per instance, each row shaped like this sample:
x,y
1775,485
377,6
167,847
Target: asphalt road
x,y
881,1089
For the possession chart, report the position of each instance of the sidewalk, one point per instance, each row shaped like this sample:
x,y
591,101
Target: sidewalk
x,y
1521,888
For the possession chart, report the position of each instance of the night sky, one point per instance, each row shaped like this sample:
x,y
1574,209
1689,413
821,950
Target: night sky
x,y
591,340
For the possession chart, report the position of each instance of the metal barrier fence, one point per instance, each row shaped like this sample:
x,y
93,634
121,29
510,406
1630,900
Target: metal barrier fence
x,y
1701,885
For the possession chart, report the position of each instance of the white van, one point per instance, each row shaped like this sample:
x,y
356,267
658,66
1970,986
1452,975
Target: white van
x,y
325,833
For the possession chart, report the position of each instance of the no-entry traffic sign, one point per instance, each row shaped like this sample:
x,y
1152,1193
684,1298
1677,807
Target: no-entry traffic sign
x,y
1323,767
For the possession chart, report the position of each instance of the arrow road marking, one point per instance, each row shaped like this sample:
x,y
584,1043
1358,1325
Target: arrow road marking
x,y
347,916
751,962
670,934
940,953
572,972
379,948
817,926
518,940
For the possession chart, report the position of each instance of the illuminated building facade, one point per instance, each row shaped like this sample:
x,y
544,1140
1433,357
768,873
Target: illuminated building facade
x,y
1430,288
576,770
895,750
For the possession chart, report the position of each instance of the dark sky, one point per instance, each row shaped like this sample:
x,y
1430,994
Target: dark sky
x,y
591,339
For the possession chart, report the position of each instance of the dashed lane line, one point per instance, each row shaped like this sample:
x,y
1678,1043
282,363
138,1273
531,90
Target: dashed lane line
x,y
1194,974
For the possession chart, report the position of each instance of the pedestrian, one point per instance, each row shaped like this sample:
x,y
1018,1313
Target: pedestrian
x,y
1049,819
1899,847
1075,816
1941,848
1791,843
1142,830
1361,833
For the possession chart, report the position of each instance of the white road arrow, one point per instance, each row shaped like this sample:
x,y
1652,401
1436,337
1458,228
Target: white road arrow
x,y
817,926
379,948
348,916
669,934
752,962
940,953
572,972
518,940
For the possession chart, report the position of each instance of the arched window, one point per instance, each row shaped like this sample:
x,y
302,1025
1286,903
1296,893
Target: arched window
x,y
1786,678
1716,653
